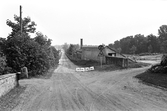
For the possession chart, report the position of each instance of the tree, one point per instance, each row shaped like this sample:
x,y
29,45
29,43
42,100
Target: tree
x,y
70,50
117,44
141,43
150,49
133,49
162,32
164,46
27,25
65,46
15,51
21,50
125,44
111,45
42,40
153,43
119,50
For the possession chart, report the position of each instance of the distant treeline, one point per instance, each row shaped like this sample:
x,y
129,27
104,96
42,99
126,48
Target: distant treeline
x,y
143,44
19,49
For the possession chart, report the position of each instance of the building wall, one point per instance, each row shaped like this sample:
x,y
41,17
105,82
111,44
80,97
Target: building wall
x,y
123,62
92,55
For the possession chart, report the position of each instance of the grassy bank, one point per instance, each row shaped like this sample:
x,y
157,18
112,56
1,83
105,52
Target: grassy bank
x,y
154,79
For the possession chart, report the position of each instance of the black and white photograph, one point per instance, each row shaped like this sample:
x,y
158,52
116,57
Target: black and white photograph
x,y
83,55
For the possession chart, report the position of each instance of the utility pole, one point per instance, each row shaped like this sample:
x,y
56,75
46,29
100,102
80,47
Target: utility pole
x,y
21,19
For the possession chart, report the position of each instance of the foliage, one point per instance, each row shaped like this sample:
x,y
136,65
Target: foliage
x,y
150,49
72,49
65,46
27,25
21,50
162,32
160,68
133,49
153,43
164,46
139,44
3,66
42,40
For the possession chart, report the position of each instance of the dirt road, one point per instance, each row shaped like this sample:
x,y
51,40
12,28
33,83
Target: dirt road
x,y
68,90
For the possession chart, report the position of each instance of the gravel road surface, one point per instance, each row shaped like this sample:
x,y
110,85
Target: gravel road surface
x,y
68,90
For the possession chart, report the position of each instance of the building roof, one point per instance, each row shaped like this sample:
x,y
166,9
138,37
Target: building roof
x,y
96,47
111,49
89,47
115,51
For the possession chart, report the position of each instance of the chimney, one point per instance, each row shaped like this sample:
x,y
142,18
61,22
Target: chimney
x,y
81,44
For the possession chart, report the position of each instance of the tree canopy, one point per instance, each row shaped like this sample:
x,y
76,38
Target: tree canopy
x,y
143,44
28,26
21,50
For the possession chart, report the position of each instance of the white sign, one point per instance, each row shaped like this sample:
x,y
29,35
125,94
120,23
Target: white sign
x,y
85,69
91,68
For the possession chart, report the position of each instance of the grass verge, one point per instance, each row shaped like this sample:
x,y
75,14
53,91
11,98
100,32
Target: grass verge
x,y
10,100
48,74
138,65
154,79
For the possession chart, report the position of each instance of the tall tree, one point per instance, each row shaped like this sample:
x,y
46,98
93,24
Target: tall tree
x,y
162,32
21,50
150,49
164,46
140,43
117,44
133,49
125,44
42,39
27,25
153,43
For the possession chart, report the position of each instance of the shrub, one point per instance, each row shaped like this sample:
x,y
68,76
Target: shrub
x,y
160,68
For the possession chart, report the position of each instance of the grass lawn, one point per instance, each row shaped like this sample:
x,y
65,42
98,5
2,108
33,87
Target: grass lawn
x,y
138,65
155,79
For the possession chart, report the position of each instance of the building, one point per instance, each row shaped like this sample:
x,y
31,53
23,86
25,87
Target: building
x,y
107,56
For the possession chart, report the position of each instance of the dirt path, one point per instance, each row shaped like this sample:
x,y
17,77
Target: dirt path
x,y
68,90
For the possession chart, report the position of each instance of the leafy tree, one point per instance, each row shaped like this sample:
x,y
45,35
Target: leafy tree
x,y
21,50
119,50
111,45
65,46
125,44
133,49
42,40
140,43
143,44
117,44
150,49
164,46
28,26
153,43
162,32
70,50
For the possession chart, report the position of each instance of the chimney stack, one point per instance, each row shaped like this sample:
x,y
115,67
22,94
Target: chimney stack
x,y
81,44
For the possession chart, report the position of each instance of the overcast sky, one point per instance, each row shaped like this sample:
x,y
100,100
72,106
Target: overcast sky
x,y
96,21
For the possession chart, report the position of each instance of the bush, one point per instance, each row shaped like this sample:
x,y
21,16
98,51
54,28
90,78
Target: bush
x,y
160,68
3,66
23,51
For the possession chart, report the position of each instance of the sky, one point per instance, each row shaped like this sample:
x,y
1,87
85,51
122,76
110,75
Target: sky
x,y
96,21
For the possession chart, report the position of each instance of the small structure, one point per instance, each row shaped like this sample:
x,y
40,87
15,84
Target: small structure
x,y
110,56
